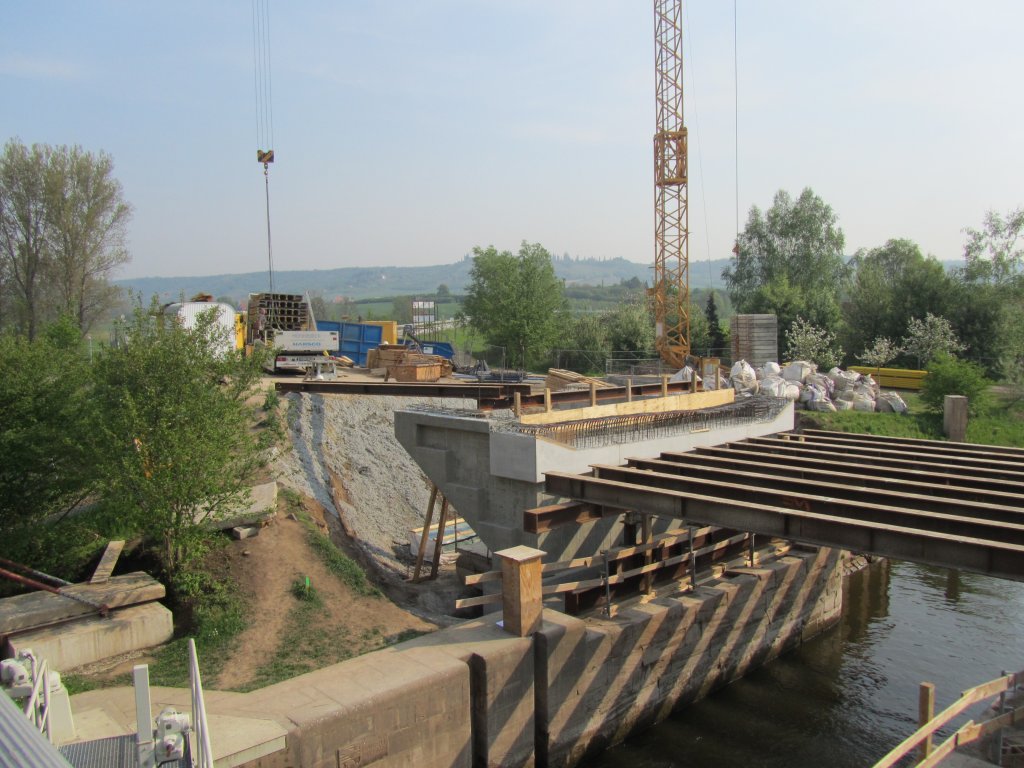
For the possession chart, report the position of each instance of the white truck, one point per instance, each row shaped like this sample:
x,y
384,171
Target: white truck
x,y
302,351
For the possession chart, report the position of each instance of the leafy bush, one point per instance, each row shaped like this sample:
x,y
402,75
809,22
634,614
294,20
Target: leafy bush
x,y
949,376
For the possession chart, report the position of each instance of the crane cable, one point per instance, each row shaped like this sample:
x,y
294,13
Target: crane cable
x,y
263,88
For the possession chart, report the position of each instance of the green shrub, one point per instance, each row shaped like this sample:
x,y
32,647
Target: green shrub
x,y
949,376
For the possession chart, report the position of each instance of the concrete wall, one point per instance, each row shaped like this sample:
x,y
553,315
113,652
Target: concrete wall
x,y
491,476
473,695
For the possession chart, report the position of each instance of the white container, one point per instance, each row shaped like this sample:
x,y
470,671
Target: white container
x,y
187,314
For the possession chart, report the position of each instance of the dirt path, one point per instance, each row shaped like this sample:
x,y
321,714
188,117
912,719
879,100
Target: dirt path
x,y
266,567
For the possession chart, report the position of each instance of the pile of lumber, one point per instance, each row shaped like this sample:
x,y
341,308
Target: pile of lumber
x,y
559,378
403,363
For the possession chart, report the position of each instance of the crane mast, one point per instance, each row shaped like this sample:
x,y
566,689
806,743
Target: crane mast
x,y
671,290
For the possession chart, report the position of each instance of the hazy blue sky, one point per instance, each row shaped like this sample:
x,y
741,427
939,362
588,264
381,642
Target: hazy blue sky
x,y
408,132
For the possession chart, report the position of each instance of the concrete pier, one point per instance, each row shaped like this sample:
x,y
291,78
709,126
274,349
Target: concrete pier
x,y
491,472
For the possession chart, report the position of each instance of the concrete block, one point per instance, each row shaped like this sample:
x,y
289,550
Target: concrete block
x,y
245,531
86,640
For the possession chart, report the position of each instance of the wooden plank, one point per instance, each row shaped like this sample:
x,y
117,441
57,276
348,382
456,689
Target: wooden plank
x,y
107,562
36,609
683,402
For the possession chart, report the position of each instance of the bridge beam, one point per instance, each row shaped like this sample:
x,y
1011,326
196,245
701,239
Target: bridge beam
x,y
827,526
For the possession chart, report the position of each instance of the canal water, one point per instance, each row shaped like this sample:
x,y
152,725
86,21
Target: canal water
x,y
848,696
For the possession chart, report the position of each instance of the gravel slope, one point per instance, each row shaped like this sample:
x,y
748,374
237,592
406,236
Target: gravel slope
x,y
345,455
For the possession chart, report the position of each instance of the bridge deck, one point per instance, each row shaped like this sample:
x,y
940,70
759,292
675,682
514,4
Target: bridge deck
x,y
948,504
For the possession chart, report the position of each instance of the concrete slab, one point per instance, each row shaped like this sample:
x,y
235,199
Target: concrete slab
x,y
87,640
261,508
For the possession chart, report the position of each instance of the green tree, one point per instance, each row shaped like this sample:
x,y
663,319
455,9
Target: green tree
x,y
401,309
516,301
949,376
995,252
46,466
631,326
24,249
87,220
715,334
789,262
587,342
174,446
891,285
63,224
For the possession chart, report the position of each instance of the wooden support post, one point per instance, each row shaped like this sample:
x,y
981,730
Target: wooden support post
x,y
517,403
593,394
925,712
647,583
629,391
547,400
664,386
442,521
954,418
521,589
693,562
426,533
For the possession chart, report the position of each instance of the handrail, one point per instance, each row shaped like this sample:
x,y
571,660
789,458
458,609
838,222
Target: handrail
x,y
202,728
967,733
39,714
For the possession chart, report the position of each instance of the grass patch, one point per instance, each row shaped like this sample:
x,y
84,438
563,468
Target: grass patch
x,y
342,566
999,425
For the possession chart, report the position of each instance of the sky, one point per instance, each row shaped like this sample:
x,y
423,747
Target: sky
x,y
407,132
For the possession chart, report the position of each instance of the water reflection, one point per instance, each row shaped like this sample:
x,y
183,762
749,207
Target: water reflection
x,y
848,696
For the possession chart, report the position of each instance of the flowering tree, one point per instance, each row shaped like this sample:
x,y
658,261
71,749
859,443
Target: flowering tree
x,y
881,353
806,341
930,337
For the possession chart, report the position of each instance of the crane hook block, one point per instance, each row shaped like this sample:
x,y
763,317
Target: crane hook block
x,y
264,156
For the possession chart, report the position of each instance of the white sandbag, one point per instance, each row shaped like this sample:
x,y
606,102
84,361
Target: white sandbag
x,y
843,380
821,405
843,405
890,401
772,369
743,377
684,374
863,403
792,391
798,371
822,382
774,386
846,396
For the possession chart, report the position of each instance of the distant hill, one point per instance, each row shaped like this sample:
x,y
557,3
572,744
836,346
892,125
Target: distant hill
x,y
366,282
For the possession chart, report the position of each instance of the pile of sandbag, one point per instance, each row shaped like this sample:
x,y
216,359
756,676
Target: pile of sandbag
x,y
799,381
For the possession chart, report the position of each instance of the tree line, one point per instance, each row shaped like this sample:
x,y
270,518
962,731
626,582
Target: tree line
x,y
891,304
63,232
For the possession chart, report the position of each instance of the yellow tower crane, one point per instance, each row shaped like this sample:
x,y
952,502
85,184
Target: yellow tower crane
x,y
671,291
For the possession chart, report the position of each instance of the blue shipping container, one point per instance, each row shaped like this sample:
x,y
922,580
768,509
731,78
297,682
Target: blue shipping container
x,y
357,339
330,325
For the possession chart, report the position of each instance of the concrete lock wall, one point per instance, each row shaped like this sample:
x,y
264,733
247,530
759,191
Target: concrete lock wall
x,y
474,695
491,475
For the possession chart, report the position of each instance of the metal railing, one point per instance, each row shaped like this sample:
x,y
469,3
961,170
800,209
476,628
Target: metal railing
x,y
37,705
922,738
204,752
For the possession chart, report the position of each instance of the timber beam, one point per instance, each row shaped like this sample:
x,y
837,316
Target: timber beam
x,y
859,487
831,524
738,454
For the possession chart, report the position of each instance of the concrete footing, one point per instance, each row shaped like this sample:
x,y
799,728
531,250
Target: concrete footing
x,y
87,640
